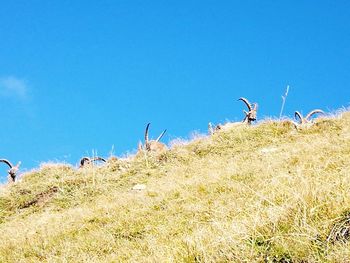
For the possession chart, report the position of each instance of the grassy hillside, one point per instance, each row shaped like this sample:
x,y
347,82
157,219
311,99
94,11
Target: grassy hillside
x,y
265,193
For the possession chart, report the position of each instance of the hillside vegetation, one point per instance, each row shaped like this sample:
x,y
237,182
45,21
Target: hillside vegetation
x,y
261,193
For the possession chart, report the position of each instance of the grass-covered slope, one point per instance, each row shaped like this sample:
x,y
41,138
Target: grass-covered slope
x,y
250,194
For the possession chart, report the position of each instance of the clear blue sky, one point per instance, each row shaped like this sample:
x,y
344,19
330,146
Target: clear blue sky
x,y
77,76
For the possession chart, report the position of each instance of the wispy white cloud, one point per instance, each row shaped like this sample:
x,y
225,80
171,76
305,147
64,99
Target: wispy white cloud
x,y
11,86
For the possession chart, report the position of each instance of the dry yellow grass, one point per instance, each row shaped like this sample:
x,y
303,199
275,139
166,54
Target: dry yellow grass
x,y
265,193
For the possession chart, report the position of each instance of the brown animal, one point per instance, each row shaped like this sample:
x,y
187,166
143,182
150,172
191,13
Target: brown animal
x,y
306,120
153,145
87,160
251,115
12,172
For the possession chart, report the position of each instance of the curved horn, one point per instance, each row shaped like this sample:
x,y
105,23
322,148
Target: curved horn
x,y
97,158
161,135
146,133
84,160
246,103
297,114
7,162
313,112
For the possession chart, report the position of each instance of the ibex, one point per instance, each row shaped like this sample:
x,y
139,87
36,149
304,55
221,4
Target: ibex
x,y
12,173
306,120
87,160
153,145
250,116
252,111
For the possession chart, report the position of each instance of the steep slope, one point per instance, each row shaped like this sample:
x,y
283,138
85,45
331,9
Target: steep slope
x,y
250,194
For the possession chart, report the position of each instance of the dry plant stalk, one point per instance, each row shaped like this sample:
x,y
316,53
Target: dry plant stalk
x,y
284,98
